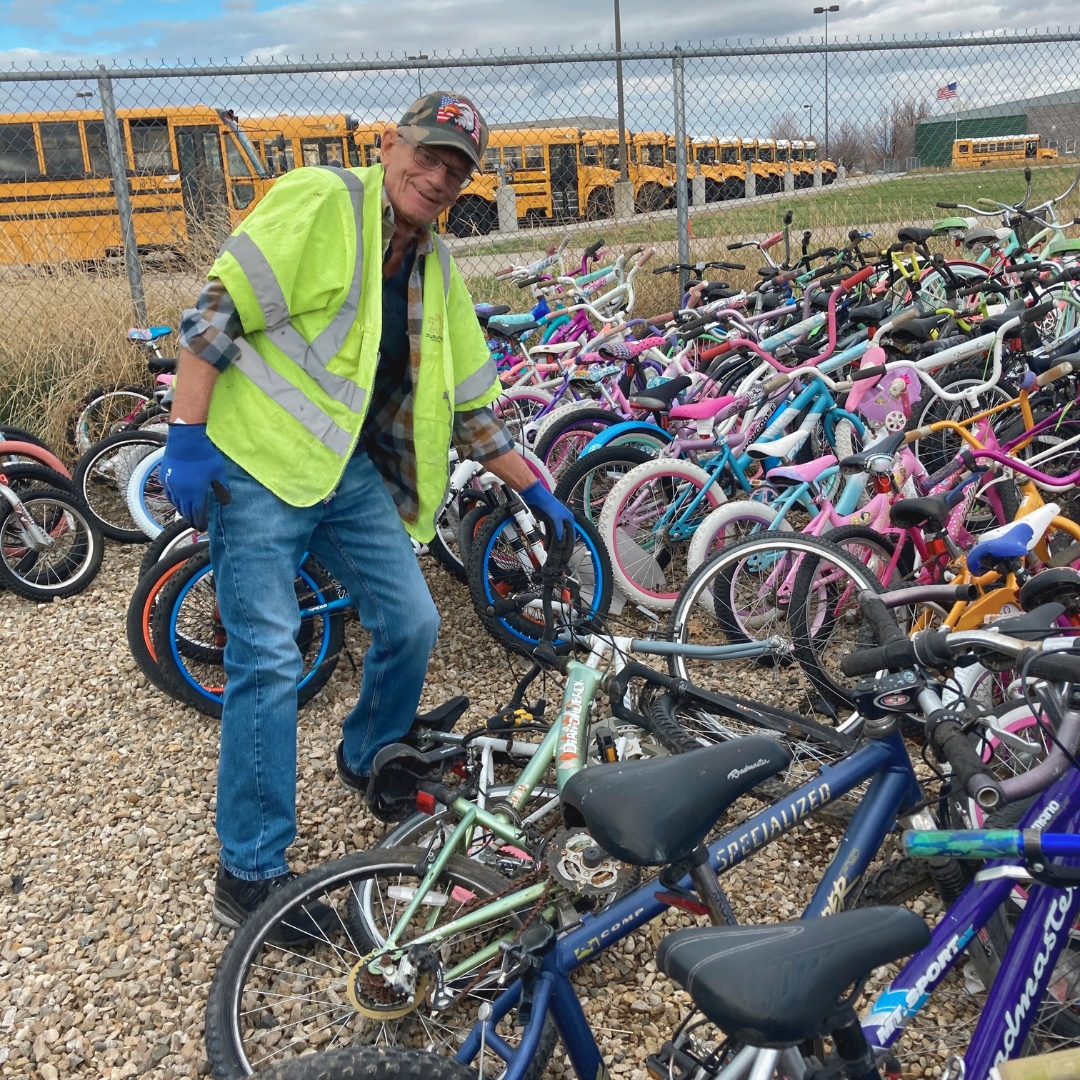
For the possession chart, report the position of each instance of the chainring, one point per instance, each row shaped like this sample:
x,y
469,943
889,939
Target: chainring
x,y
566,858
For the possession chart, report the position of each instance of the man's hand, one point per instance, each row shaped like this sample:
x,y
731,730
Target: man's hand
x,y
540,499
190,465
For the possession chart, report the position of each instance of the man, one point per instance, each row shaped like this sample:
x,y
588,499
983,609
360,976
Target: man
x,y
329,362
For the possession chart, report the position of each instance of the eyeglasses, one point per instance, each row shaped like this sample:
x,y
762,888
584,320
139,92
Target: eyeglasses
x,y
431,162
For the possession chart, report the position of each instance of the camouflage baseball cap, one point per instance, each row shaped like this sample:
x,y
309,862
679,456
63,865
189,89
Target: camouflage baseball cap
x,y
445,119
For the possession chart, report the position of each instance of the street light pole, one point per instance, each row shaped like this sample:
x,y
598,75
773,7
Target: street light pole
x,y
419,84
810,110
825,11
624,173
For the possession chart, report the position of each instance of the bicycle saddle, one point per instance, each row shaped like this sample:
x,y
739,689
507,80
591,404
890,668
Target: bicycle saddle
x,y
981,234
777,448
663,394
655,812
801,474
778,985
151,333
1011,541
993,323
932,510
886,448
921,329
509,325
489,311
718,290
705,409
912,234
877,312
161,365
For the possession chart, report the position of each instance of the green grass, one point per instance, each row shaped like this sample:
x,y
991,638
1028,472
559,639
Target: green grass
x,y
831,212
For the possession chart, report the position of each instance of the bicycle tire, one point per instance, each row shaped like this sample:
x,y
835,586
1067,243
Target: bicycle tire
x,y
563,433
82,430
101,478
8,432
468,528
369,1063
495,575
175,650
656,561
232,1002
518,408
25,476
140,611
143,483
755,516
175,535
24,571
582,485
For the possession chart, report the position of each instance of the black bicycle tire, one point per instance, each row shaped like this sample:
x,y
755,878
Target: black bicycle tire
x,y
18,434
25,475
11,580
369,1063
573,419
162,542
148,584
602,457
472,521
84,471
227,987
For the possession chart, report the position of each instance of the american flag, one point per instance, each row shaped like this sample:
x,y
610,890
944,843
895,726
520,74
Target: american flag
x,y
947,91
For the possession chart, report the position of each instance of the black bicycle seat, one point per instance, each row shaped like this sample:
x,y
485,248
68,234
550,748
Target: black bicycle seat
x,y
912,234
780,984
932,510
161,365
995,322
718,290
661,396
655,812
874,313
921,329
443,717
489,311
888,446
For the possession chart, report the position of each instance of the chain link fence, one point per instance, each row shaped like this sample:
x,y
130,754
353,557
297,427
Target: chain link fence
x,y
117,184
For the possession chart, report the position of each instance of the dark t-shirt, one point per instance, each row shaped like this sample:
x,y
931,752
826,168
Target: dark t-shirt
x,y
393,370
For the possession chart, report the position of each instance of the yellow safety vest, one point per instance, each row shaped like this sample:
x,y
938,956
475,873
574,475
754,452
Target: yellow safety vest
x,y
305,272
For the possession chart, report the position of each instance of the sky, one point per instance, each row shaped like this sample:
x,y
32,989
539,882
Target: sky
x,y
184,29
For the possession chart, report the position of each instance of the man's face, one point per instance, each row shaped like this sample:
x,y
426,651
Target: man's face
x,y
418,194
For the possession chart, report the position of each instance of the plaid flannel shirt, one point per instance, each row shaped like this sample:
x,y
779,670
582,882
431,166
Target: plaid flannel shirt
x,y
210,330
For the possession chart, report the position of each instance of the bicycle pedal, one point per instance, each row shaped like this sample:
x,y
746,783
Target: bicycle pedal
x,y
396,775
668,1063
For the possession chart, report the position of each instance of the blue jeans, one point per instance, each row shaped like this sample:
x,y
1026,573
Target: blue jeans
x,y
256,544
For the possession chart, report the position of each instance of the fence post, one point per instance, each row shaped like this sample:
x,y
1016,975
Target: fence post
x,y
118,167
682,209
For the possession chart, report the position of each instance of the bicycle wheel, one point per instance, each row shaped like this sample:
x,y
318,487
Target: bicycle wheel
x,y
104,411
266,1000
825,620
62,560
564,433
18,434
503,566
24,476
728,524
178,534
101,479
189,639
646,527
586,485
141,607
369,1063
147,502
518,409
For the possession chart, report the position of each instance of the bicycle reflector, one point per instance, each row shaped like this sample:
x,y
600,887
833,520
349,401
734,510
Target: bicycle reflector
x,y
425,802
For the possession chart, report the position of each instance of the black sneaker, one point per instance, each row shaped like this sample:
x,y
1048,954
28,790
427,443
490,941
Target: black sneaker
x,y
236,898
352,780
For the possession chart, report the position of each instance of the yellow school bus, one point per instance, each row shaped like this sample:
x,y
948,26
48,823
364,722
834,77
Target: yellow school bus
x,y
1000,150
193,175
284,143
718,160
654,184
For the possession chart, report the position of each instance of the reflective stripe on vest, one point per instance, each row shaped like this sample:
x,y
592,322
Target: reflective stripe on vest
x,y
293,400
312,357
476,383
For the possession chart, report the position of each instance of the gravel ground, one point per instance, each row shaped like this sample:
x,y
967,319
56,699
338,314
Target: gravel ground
x,y
108,853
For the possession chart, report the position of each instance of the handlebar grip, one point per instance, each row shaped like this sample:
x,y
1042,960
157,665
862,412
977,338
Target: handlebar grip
x,y
857,279
634,251
868,373
907,315
968,768
947,206
1065,368
592,249
730,266
526,282
739,244
667,268
918,433
775,383
1053,666
895,656
1037,313
644,257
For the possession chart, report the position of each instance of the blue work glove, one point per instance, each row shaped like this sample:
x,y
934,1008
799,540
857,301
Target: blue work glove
x,y
190,465
540,499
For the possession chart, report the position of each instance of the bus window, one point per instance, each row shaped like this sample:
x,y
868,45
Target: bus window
x,y
1029,149
534,157
811,153
729,155
765,153
611,157
748,153
18,152
322,152
590,154
512,157
371,154
652,154
150,145
353,152
964,148
62,149
796,153
670,154
706,155
243,194
98,148
491,158
781,153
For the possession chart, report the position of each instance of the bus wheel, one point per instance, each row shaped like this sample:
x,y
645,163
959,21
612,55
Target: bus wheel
x,y
652,197
828,177
601,204
734,188
472,216
714,191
